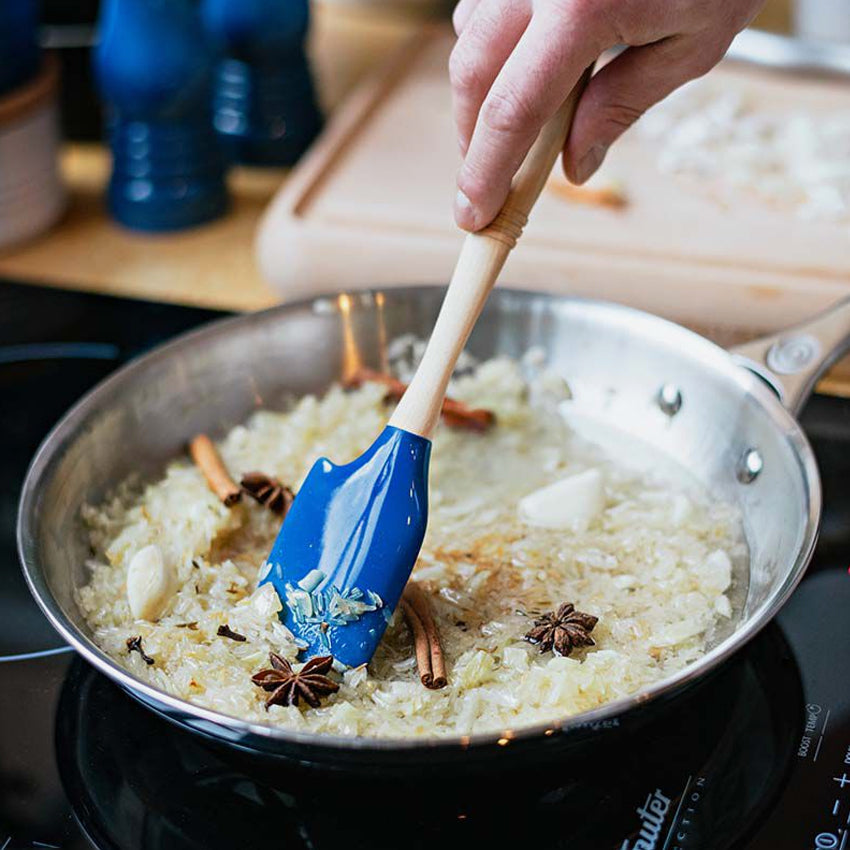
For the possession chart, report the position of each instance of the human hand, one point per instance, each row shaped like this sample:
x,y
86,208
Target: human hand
x,y
516,61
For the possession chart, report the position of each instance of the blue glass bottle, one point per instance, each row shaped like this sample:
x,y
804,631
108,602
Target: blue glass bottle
x,y
19,53
154,70
264,104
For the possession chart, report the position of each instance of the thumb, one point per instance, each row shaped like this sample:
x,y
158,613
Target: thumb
x,y
623,90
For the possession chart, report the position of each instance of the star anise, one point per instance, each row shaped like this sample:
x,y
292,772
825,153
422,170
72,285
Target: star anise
x,y
288,687
268,491
563,630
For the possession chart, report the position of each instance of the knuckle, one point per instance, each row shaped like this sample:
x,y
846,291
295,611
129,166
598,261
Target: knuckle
x,y
463,71
596,20
577,11
505,111
621,115
698,15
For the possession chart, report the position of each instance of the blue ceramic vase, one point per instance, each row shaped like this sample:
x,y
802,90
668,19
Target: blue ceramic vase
x,y
264,101
154,70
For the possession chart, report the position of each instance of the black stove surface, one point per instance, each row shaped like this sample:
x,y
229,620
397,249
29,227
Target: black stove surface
x,y
54,346
759,759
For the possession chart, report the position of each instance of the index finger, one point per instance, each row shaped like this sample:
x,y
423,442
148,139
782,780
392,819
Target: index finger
x,y
558,44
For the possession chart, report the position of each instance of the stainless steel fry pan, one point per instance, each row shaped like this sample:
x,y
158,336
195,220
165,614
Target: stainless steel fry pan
x,y
727,417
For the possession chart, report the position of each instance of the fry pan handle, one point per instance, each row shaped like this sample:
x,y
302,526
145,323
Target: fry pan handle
x,y
792,360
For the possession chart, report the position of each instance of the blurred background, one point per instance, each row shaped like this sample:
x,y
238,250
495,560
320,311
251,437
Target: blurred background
x,y
69,27
142,143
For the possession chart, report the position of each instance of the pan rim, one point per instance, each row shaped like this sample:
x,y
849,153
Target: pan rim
x,y
253,735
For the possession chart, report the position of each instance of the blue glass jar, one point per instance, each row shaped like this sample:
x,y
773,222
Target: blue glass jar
x,y
154,70
264,103
19,53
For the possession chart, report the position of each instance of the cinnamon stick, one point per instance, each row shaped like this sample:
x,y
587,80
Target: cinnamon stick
x,y
455,413
603,196
395,387
420,643
426,638
458,415
209,461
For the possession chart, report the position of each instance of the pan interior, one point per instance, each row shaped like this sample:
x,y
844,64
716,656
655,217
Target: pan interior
x,y
618,362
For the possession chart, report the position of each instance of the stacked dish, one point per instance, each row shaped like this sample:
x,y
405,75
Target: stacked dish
x,y
31,193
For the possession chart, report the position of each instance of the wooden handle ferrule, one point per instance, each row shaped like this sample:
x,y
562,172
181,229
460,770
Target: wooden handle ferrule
x,y
506,227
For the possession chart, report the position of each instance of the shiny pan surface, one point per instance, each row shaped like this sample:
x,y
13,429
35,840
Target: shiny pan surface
x,y
670,387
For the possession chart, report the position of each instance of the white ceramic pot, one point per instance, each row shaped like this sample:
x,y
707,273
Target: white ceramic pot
x,y
32,196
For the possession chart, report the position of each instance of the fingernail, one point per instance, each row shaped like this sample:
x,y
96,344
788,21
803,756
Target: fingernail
x,y
590,162
464,211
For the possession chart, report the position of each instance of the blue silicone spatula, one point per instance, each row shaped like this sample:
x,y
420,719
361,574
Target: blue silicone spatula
x,y
353,533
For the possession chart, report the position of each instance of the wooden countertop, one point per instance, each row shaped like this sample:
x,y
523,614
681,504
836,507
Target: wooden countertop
x,y
212,265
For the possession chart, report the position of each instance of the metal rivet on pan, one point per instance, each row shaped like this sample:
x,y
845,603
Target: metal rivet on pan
x,y
750,465
792,354
669,399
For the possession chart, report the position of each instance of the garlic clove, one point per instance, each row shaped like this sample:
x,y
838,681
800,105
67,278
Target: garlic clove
x,y
150,583
569,503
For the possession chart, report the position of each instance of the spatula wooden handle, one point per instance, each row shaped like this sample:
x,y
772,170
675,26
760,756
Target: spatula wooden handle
x,y
481,259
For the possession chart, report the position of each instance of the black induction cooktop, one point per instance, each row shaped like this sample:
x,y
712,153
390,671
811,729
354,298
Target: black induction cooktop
x,y
759,759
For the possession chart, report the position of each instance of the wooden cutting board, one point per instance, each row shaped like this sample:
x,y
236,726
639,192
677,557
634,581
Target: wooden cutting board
x,y
371,206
